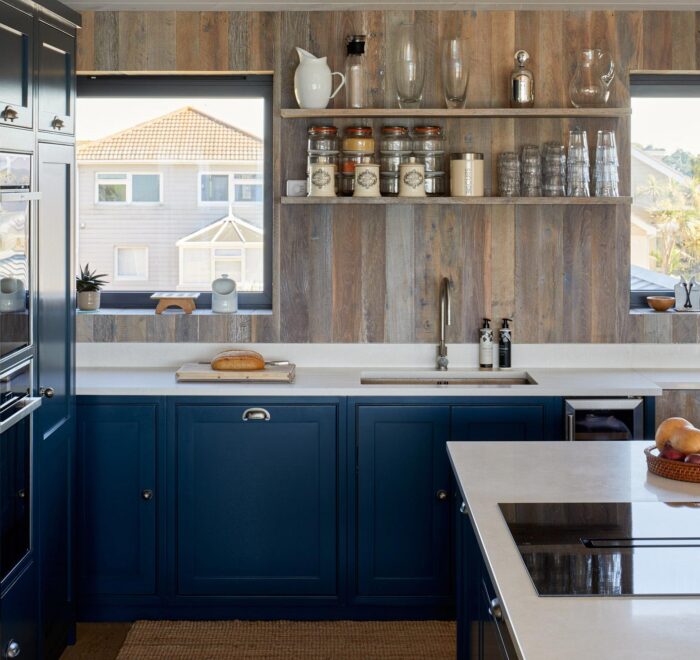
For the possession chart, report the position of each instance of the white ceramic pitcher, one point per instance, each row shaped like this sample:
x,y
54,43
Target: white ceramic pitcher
x,y
313,81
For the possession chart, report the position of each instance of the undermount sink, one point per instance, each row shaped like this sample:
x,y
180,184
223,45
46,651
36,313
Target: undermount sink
x,y
457,377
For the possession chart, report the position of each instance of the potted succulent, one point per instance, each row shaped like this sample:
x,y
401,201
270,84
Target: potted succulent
x,y
88,285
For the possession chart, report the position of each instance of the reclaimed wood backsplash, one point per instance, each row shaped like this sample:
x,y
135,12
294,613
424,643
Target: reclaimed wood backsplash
x,y
371,273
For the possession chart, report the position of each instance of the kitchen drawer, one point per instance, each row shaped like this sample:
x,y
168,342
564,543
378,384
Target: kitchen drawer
x,y
56,80
16,67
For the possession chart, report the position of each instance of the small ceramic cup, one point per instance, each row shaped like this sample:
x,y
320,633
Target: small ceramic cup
x,y
322,180
366,180
412,179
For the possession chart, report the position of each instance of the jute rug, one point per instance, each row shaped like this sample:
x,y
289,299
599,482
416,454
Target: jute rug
x,y
308,640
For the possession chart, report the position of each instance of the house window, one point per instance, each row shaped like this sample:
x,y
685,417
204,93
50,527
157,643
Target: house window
x,y
130,262
174,185
123,188
665,177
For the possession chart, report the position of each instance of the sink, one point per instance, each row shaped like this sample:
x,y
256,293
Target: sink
x,y
456,377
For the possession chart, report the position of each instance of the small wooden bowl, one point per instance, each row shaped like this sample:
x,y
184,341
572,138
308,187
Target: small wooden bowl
x,y
677,470
661,303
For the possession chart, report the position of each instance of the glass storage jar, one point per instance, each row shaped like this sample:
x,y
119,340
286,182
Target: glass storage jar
x,y
358,144
429,149
322,142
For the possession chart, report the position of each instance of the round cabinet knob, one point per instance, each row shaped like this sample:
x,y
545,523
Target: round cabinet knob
x,y
13,650
147,494
47,392
496,610
441,495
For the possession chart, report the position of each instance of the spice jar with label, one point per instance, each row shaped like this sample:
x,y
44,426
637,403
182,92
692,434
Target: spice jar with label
x,y
467,174
412,179
366,179
322,143
429,149
358,143
322,177
394,149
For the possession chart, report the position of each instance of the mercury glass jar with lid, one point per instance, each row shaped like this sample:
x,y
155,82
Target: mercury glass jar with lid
x,y
323,146
394,149
429,149
358,144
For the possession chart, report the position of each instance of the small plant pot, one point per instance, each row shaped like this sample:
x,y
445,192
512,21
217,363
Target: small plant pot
x,y
88,301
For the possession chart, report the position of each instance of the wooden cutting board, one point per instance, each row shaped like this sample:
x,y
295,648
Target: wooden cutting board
x,y
195,372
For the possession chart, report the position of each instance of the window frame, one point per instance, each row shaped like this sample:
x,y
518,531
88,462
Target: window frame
x,y
127,278
253,86
660,85
129,188
231,183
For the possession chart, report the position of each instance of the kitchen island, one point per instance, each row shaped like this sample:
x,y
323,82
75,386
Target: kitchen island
x,y
557,628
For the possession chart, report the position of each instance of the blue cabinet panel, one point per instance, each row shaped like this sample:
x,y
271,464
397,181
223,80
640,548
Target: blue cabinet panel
x,y
256,501
499,422
403,487
18,620
116,520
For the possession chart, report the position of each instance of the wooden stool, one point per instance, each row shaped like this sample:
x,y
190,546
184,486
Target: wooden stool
x,y
185,301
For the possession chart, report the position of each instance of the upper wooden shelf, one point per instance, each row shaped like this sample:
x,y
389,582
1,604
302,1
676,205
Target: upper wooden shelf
x,y
462,201
467,113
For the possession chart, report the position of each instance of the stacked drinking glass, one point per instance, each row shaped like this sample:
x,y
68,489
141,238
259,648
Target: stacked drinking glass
x,y
606,165
508,174
578,175
553,170
531,171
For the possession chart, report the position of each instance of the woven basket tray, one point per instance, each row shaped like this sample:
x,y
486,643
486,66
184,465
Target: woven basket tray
x,y
677,470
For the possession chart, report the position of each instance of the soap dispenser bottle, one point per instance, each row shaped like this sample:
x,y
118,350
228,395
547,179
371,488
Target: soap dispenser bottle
x,y
504,345
486,345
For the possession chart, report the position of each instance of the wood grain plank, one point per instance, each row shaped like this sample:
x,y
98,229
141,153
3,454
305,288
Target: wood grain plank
x,y
373,278
678,403
658,41
399,316
161,44
683,35
132,41
213,40
346,299
106,41
187,41
85,58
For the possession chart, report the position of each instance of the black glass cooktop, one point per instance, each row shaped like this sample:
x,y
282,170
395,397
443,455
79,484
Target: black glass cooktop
x,y
610,548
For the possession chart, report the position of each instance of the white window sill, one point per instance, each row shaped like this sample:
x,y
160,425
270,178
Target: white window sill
x,y
171,312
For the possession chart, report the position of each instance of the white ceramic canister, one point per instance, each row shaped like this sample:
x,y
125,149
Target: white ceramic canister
x,y
412,179
224,296
322,178
467,174
313,81
366,180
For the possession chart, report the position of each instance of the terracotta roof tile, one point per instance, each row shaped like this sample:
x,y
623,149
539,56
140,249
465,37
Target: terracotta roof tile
x,y
185,134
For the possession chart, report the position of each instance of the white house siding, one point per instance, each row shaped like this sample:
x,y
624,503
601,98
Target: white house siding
x,y
102,227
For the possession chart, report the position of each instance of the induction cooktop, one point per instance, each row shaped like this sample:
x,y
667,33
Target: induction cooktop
x,y
609,548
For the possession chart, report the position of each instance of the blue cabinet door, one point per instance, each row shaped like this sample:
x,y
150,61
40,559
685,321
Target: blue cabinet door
x,y
116,521
256,500
500,422
403,502
18,620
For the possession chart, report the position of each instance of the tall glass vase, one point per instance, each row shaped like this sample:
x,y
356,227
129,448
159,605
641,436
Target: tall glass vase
x,y
455,72
409,66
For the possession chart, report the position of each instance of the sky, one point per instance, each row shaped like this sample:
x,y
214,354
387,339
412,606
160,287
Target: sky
x,y
98,117
667,123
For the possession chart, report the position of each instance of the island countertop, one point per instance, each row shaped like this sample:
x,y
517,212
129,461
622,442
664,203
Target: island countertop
x,y
614,628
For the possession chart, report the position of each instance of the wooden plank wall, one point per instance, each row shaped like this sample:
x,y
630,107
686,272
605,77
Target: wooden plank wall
x,y
370,274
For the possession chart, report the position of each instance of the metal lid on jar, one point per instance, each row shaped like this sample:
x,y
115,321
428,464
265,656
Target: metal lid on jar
x,y
394,130
427,130
322,130
358,131
467,155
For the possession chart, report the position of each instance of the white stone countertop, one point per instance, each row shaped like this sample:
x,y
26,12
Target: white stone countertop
x,y
571,628
345,381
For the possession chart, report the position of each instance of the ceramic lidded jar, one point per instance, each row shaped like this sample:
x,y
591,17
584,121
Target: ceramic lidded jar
x,y
412,179
224,296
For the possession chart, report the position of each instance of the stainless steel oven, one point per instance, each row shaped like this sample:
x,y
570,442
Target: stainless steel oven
x,y
605,419
16,408
16,209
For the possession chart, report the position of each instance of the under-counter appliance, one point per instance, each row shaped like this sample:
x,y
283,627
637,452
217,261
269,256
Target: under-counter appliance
x,y
16,208
16,407
608,548
604,419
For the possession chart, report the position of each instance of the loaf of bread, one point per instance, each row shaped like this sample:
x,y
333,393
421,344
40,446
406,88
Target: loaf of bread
x,y
680,434
238,360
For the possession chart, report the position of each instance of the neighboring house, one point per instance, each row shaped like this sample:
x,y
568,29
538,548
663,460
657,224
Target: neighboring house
x,y
647,165
145,193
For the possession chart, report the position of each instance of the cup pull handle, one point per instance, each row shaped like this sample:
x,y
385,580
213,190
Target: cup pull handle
x,y
256,415
342,82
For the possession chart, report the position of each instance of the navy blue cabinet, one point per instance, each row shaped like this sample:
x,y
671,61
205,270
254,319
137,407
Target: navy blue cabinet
x,y
403,495
257,499
18,621
521,420
117,498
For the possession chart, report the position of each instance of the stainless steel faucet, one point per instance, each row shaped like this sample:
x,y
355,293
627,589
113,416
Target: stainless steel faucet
x,y
445,314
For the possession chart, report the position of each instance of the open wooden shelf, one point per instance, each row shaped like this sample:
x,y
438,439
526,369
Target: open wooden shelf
x,y
465,113
462,201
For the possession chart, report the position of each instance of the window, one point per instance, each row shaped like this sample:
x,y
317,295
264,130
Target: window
x,y
174,186
665,176
241,187
130,262
122,188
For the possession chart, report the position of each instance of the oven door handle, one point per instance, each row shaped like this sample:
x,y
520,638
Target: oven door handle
x,y
28,406
20,196
570,427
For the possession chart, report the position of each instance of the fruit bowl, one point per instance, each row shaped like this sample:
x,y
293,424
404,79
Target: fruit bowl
x,y
661,303
677,470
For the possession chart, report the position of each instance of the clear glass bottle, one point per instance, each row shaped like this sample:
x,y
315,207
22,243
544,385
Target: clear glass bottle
x,y
356,93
